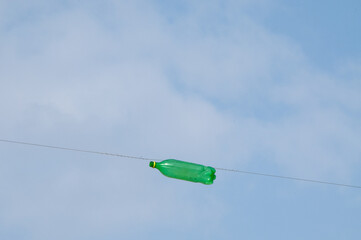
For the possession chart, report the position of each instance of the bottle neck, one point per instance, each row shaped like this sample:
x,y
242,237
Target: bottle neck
x,y
153,164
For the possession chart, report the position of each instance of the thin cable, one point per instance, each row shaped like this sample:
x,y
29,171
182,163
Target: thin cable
x,y
154,159
80,150
289,178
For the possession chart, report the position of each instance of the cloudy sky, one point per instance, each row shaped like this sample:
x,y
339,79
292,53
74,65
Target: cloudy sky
x,y
272,86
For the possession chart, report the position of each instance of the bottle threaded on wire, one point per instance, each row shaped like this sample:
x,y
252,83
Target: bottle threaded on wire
x,y
185,171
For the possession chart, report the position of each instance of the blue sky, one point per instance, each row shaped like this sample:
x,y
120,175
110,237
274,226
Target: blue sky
x,y
267,86
328,32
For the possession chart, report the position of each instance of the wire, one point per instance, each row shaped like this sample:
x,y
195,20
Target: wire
x,y
154,159
289,178
80,150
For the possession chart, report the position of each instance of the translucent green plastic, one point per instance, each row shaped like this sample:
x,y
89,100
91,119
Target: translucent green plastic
x,y
185,171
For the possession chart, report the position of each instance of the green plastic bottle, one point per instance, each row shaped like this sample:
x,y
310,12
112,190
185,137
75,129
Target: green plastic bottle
x,y
185,171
